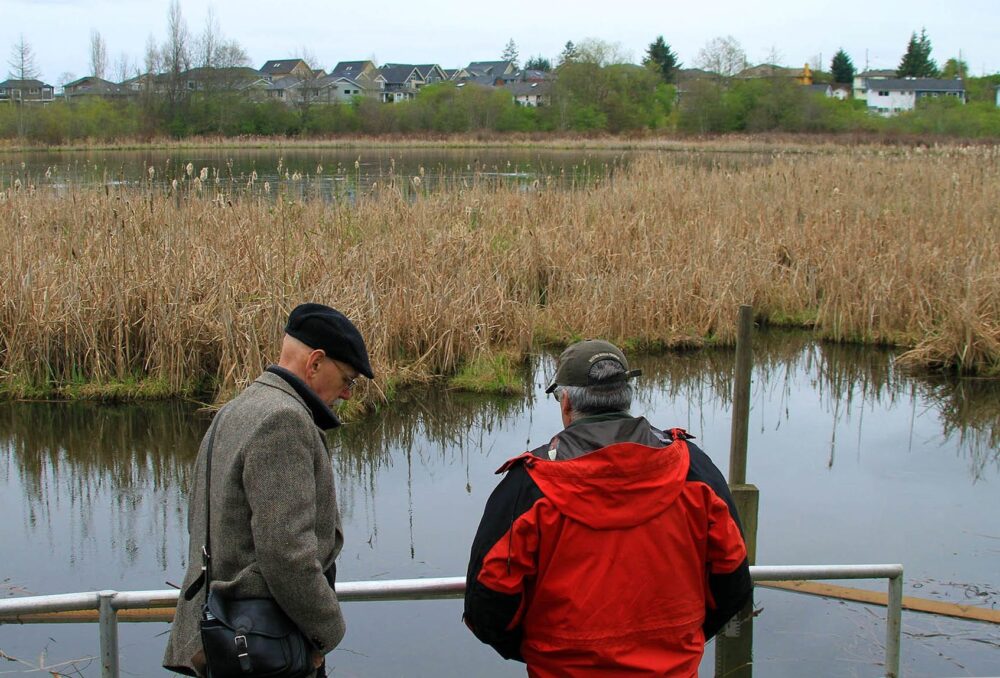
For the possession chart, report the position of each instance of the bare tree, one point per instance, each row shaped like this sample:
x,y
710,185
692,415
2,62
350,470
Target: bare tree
x,y
22,61
601,52
123,68
207,45
176,52
723,56
98,55
231,55
153,59
212,50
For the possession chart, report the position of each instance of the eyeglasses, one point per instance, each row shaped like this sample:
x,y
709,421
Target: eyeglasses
x,y
352,382
557,393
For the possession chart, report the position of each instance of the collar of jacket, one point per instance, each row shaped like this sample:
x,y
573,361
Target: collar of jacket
x,y
322,415
603,416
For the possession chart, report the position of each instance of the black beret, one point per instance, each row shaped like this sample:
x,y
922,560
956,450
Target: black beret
x,y
319,326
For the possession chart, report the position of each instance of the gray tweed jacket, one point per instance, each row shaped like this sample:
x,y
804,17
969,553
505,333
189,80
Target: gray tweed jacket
x,y
275,525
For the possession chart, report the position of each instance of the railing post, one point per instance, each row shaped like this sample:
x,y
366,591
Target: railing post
x,y
108,623
893,626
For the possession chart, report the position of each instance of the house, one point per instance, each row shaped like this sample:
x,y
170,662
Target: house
x,y
429,73
861,80
280,68
26,90
998,96
841,91
354,69
531,75
232,79
533,94
803,75
890,96
500,71
398,82
284,89
456,73
334,89
91,85
824,89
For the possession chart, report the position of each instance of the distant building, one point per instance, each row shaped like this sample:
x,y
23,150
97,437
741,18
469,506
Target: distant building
x,y
803,75
841,91
998,96
824,89
532,94
401,82
26,90
495,72
862,79
91,85
280,68
891,96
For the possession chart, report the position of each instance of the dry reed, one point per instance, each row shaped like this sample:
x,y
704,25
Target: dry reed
x,y
110,286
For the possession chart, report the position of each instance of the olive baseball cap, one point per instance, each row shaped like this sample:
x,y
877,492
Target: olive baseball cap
x,y
576,361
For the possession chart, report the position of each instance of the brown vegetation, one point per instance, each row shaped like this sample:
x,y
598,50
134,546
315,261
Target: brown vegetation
x,y
101,286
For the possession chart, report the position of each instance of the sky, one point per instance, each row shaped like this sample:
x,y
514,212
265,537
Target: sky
x,y
452,33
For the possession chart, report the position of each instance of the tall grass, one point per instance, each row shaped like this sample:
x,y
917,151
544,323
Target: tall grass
x,y
188,290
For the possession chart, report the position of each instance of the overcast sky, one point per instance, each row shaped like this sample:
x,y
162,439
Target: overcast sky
x,y
453,33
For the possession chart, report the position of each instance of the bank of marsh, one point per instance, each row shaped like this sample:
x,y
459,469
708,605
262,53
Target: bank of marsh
x,y
158,292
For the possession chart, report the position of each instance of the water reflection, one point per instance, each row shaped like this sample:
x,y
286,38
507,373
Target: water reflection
x,y
77,463
886,464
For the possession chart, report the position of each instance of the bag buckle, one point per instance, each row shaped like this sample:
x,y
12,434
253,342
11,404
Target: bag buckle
x,y
243,653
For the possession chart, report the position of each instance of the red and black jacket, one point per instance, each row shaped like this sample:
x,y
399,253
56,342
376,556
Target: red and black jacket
x,y
614,550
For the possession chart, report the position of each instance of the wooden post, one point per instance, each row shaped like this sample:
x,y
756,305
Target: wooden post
x,y
741,399
734,644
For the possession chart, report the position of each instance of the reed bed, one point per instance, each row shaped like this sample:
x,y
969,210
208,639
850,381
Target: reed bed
x,y
178,292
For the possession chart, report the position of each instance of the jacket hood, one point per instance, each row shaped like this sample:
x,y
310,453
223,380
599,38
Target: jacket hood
x,y
617,485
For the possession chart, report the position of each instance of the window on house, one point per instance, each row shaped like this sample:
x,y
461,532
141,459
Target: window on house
x,y
883,93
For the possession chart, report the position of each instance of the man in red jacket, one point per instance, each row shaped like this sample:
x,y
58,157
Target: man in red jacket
x,y
613,550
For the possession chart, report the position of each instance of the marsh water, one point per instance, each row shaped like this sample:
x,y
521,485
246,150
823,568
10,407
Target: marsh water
x,y
333,173
856,463
327,173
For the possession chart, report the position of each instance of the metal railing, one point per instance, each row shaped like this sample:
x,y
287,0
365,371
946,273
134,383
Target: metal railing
x,y
108,603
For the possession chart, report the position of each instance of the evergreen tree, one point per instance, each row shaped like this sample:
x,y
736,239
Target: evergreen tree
x,y
842,68
661,58
510,52
538,63
569,53
917,62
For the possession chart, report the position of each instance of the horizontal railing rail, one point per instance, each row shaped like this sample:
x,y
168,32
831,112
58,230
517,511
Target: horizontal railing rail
x,y
38,609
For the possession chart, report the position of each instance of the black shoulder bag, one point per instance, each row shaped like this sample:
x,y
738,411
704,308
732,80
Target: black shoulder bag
x,y
248,638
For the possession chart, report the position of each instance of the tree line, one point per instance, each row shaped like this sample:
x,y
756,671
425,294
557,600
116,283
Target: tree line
x,y
593,89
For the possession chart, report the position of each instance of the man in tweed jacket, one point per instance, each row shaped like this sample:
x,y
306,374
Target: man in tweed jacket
x,y
275,525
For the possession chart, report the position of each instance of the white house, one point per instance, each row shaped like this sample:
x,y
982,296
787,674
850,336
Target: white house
x,y
891,96
861,81
998,96
533,94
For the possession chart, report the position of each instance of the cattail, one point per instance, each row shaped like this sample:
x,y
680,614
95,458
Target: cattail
x,y
203,175
189,169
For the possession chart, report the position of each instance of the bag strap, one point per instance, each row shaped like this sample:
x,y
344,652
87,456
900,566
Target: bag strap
x,y
205,578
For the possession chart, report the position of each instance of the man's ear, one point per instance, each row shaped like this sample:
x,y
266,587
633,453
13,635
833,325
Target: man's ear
x,y
314,360
565,406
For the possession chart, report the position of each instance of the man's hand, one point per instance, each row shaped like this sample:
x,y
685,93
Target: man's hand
x,y
199,663
317,658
